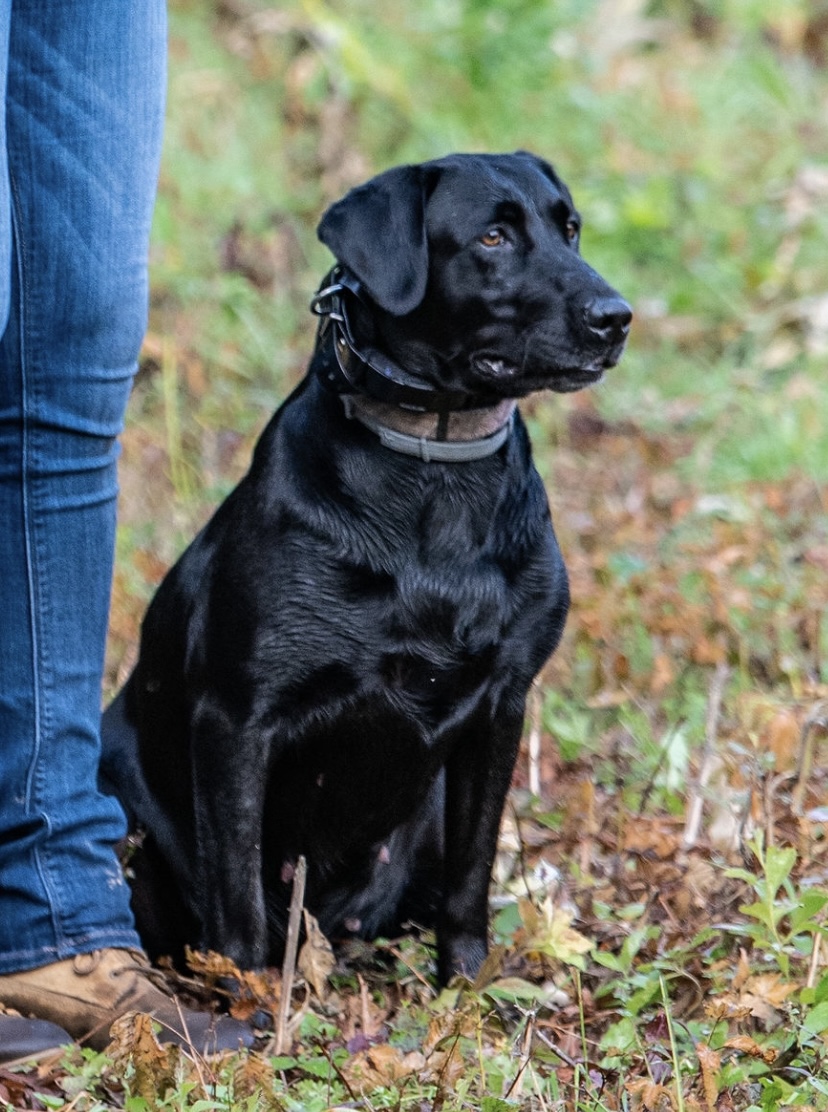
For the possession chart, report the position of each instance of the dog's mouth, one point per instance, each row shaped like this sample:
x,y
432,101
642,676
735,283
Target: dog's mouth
x,y
503,374
578,378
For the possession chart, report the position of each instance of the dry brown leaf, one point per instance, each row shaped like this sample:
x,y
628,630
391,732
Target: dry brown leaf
x,y
18,1091
769,987
445,1068
747,1045
781,736
764,995
580,807
491,969
711,1064
663,674
448,1026
726,558
703,880
760,1009
649,1096
742,975
316,958
707,651
133,1042
254,1076
210,965
380,1065
254,990
652,836
727,1009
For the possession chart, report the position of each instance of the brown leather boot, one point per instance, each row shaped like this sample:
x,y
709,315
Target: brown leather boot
x,y
86,994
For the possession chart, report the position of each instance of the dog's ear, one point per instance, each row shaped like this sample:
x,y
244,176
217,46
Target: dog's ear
x,y
378,232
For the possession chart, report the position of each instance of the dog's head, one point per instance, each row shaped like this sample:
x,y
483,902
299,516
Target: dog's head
x,y
473,274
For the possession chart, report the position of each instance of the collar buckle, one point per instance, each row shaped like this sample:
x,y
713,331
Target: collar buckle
x,y
366,370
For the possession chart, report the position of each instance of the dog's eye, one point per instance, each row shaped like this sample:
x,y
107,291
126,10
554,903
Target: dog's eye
x,y
494,237
572,230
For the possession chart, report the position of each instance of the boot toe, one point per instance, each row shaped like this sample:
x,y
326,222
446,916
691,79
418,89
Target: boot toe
x,y
23,1039
86,994
206,1033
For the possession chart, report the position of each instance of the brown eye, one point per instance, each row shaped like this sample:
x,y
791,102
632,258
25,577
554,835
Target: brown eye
x,y
572,230
493,238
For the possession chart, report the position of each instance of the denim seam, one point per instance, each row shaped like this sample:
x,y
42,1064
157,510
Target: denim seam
x,y
102,939
34,785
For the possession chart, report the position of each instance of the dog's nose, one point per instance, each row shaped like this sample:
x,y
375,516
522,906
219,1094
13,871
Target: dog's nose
x,y
609,318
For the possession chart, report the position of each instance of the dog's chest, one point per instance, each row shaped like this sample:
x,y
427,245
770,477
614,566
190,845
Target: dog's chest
x,y
424,595
442,600
443,632
424,635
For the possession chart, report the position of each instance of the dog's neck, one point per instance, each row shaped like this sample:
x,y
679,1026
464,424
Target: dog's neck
x,y
407,414
450,437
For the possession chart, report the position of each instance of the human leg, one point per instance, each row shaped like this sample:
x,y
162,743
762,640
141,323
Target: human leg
x,y
84,102
84,106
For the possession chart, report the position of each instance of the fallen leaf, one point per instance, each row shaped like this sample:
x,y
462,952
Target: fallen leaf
x,y
663,674
648,1095
252,990
316,958
781,736
651,836
746,1045
711,1063
764,995
549,932
769,987
380,1065
726,1008
742,970
133,1044
254,1076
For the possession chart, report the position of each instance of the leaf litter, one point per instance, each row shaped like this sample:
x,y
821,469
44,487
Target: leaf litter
x,y
598,894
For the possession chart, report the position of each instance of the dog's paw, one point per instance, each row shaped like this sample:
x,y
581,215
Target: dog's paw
x,y
461,956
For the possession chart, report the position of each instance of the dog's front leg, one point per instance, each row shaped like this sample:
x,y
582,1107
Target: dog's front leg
x,y
229,784
478,774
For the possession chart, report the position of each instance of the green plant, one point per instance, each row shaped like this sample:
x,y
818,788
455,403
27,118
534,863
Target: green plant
x,y
784,921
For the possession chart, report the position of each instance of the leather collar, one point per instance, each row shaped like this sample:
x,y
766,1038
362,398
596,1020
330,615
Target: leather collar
x,y
408,414
362,369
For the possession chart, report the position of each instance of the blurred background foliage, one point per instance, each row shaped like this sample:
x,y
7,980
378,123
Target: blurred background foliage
x,y
693,133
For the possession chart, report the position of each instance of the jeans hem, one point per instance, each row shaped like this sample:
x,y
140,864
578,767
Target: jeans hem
x,y
23,960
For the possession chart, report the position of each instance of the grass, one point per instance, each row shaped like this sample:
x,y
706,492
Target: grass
x,y
660,924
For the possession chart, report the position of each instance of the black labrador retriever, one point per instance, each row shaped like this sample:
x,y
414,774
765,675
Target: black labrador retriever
x,y
338,664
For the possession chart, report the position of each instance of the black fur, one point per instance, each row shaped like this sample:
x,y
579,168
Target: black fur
x,y
338,664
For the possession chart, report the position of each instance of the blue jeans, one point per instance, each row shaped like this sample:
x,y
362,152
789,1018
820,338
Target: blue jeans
x,y
79,148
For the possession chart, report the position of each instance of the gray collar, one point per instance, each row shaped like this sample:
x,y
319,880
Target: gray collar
x,y
381,419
